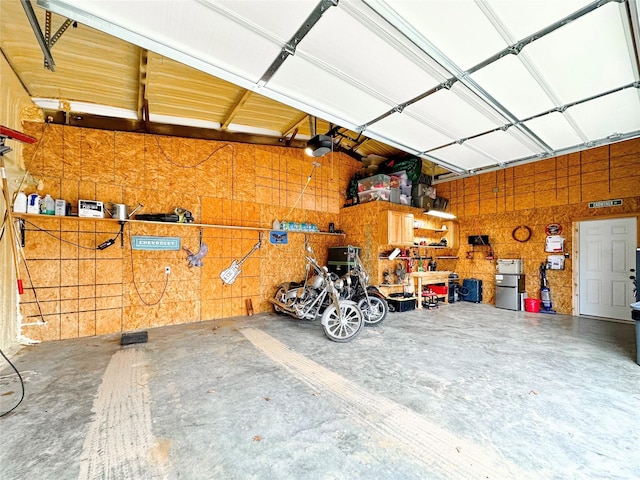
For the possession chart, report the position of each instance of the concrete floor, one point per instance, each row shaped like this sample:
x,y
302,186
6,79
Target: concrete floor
x,y
465,391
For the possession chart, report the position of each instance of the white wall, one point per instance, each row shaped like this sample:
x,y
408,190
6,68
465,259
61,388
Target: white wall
x,y
15,107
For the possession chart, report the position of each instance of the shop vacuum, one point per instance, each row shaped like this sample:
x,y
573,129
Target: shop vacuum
x,y
545,291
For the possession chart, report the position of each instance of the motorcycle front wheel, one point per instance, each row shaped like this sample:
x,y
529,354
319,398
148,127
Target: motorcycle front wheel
x,y
377,313
342,327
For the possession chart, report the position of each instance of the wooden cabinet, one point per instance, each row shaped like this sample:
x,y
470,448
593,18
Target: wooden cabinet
x,y
396,228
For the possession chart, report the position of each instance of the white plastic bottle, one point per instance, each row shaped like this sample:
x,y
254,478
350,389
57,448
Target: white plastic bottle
x,y
33,203
20,203
48,205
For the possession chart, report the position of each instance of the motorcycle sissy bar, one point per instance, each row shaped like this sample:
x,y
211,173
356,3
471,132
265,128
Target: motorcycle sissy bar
x,y
352,253
307,248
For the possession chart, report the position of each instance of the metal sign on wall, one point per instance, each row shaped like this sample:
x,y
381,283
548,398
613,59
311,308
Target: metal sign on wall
x,y
278,237
606,203
155,243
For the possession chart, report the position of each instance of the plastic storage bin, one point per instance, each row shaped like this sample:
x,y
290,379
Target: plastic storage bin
x,y
375,182
439,289
382,194
399,303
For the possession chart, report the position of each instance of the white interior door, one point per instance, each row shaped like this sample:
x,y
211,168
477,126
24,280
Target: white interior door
x,y
606,255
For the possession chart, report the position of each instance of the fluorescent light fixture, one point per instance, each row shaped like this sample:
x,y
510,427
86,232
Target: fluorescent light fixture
x,y
394,254
440,214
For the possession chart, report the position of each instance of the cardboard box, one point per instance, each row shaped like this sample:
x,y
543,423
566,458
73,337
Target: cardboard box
x,y
90,208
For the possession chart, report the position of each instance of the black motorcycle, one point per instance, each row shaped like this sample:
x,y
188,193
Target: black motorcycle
x,y
354,287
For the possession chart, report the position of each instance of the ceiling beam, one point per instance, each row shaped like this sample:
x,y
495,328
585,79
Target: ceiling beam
x,y
295,125
143,102
140,126
234,109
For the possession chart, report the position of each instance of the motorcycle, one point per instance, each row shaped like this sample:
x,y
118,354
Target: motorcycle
x,y
354,287
318,295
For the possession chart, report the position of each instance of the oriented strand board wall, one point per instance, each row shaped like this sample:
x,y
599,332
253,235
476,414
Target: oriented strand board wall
x,y
83,291
362,224
556,190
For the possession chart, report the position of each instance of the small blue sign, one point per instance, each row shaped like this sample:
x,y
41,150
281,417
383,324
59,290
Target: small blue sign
x,y
155,243
278,237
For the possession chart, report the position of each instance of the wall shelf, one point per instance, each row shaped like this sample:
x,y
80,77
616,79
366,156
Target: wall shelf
x,y
406,258
150,222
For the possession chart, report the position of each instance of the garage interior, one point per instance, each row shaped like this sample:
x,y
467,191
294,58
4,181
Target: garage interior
x,y
517,114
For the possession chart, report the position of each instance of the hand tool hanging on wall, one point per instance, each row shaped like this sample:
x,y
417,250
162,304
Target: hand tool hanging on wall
x,y
195,259
21,137
230,274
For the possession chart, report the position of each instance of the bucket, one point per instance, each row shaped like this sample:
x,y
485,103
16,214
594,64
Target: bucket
x,y
532,305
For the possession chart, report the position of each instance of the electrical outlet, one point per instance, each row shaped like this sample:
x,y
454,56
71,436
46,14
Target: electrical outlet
x,y
167,270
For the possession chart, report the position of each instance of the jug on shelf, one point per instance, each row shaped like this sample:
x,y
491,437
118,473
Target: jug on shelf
x,y
121,211
33,203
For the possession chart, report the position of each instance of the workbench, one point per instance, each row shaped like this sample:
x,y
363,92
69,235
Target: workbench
x,y
429,278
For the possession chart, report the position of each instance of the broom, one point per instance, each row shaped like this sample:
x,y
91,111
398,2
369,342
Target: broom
x,y
15,135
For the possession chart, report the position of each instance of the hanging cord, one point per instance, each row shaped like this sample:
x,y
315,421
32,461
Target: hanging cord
x,y
315,164
215,150
67,241
21,385
133,277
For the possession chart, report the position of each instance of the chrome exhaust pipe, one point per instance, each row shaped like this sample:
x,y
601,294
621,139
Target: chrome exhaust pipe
x,y
281,305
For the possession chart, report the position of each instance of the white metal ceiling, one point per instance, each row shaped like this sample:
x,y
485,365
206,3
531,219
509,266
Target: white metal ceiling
x,y
470,85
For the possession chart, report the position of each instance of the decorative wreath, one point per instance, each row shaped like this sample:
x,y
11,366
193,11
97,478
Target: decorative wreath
x,y
521,233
